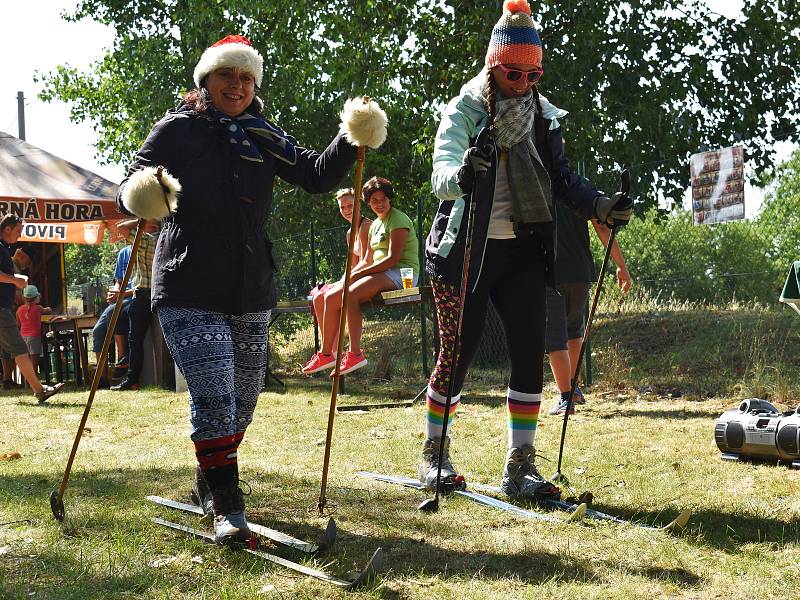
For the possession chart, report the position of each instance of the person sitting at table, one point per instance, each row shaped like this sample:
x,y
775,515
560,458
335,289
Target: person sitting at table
x,y
29,320
123,324
392,245
10,338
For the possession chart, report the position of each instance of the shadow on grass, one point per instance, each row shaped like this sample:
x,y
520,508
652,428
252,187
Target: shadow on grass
x,y
676,575
722,530
728,531
102,506
54,404
677,414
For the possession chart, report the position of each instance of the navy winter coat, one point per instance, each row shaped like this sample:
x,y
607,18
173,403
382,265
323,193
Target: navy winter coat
x,y
213,252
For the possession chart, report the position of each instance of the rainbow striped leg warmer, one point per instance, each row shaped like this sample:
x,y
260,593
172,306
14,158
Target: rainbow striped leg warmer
x,y
523,415
434,418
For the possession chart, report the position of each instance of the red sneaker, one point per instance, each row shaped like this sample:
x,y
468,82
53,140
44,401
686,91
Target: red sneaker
x,y
319,362
350,363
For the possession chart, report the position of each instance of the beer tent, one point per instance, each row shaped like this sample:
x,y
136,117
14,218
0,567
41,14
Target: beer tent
x,y
61,204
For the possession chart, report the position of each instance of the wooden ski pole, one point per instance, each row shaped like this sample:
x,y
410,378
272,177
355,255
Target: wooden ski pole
x,y
355,219
57,496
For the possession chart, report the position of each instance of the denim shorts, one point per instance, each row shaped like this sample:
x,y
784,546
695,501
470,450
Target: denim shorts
x,y
100,328
394,275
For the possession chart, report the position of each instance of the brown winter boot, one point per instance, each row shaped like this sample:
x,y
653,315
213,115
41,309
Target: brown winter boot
x,y
201,493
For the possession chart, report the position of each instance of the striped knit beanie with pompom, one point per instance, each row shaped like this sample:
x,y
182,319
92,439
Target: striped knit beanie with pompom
x,y
514,38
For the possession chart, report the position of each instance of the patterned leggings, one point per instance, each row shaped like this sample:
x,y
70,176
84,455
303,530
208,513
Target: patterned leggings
x,y
512,276
223,358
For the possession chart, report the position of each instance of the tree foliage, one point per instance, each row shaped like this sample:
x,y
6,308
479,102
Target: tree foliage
x,y
647,82
89,263
780,216
745,260
668,257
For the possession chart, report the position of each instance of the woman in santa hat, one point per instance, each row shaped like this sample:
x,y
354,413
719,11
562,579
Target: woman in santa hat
x,y
207,169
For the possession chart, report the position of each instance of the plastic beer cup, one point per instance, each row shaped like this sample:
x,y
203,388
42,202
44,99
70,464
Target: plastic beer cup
x,y
407,275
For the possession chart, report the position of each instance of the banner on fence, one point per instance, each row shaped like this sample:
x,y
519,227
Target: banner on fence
x,y
717,185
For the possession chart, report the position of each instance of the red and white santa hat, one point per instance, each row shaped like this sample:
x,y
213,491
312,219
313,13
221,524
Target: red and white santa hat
x,y
230,51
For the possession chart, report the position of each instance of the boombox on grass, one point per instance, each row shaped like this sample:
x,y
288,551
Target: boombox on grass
x,y
757,429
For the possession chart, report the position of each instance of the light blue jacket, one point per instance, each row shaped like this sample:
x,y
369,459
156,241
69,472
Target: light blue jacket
x,y
462,120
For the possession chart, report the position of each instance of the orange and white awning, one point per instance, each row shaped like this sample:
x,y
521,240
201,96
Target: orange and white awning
x,y
59,201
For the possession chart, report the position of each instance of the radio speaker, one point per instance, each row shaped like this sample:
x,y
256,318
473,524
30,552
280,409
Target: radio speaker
x,y
734,435
787,439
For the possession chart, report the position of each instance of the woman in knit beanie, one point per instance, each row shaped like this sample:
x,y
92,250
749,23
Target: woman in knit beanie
x,y
514,179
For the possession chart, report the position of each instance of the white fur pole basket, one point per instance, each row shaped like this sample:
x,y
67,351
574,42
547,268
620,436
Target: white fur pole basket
x,y
363,122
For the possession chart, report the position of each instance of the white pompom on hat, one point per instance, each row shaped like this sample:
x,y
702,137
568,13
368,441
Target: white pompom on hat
x,y
230,51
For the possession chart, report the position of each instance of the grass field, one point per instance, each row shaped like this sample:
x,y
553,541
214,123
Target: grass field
x,y
643,445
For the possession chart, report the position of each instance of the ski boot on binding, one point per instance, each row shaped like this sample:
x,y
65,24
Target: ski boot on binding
x,y
521,479
230,521
450,479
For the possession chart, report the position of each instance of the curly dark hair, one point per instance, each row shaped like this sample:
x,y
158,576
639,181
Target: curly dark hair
x,y
378,184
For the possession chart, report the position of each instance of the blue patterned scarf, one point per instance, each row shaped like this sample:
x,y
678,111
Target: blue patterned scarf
x,y
250,135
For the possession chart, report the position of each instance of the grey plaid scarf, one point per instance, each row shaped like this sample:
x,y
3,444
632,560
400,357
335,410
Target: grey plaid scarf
x,y
531,195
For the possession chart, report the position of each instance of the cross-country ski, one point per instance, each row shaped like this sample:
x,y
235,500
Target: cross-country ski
x,y
324,544
676,525
366,577
575,514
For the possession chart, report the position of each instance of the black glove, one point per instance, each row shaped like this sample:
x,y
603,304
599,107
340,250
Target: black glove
x,y
476,161
614,211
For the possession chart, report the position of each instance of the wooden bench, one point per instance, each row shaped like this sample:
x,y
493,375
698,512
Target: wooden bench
x,y
391,298
403,297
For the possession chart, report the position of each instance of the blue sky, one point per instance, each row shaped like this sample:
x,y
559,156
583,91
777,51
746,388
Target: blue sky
x,y
79,44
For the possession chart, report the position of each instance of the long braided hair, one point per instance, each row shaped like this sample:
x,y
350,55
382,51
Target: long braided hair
x,y
489,94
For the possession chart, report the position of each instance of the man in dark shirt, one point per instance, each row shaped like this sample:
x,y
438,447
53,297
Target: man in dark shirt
x,y
10,338
574,275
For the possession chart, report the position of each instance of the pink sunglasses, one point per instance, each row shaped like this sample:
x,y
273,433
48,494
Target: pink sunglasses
x,y
515,74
